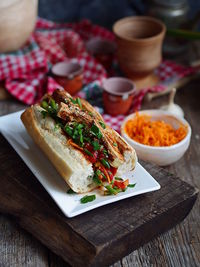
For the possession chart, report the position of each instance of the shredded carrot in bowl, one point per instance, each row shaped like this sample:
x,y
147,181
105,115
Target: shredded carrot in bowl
x,y
144,130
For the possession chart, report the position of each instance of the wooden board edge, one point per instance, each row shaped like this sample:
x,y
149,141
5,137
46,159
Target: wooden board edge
x,y
104,259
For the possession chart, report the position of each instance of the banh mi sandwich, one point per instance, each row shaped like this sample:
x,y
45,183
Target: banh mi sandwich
x,y
85,151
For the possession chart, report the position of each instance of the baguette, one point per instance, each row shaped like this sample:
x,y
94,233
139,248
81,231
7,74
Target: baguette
x,y
68,156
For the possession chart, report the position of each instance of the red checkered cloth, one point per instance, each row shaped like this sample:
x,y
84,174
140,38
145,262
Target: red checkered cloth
x,y
25,72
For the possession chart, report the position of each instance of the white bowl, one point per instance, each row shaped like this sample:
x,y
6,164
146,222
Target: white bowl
x,y
161,156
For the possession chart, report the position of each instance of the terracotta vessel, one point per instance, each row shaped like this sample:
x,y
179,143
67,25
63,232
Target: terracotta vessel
x,y
139,45
118,95
17,21
102,49
69,75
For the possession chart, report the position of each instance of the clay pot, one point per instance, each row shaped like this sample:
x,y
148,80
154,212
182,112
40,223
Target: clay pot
x,y
17,21
102,49
69,75
139,45
118,95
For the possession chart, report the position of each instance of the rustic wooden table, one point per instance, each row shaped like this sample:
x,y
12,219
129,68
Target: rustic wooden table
x,y
178,247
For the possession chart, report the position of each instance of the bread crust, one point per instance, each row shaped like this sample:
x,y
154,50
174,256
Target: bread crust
x,y
29,120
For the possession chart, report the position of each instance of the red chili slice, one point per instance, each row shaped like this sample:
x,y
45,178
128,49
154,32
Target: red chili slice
x,y
121,185
113,170
94,156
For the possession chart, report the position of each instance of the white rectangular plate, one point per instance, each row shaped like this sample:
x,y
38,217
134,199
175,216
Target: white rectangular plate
x,y
13,130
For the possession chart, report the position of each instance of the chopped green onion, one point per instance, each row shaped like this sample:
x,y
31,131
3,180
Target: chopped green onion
x,y
53,104
102,124
88,152
79,102
96,145
105,152
114,144
131,185
73,101
70,191
119,179
115,187
87,199
76,101
81,139
96,179
44,104
68,130
95,131
105,163
111,190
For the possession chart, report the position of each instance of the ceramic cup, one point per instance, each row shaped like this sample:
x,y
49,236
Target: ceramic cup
x,y
69,75
118,95
102,49
139,45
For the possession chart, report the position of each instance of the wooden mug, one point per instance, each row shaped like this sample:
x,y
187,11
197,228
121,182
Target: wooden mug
x,y
139,45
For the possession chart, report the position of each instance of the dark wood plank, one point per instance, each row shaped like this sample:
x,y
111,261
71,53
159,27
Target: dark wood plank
x,y
99,237
17,247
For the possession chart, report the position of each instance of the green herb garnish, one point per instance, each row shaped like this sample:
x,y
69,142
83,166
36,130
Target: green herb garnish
x,y
96,178
88,152
79,102
105,163
68,130
105,152
76,101
119,179
114,144
54,105
96,145
131,185
81,138
44,104
111,190
95,131
87,199
102,124
70,191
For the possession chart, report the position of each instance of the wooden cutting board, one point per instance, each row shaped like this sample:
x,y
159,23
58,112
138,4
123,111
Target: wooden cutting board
x,y
101,236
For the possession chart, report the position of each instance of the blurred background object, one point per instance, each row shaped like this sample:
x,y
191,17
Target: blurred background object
x,y
100,12
17,21
69,75
102,49
139,45
174,13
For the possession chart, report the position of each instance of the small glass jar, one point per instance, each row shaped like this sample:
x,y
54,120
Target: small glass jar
x,y
174,13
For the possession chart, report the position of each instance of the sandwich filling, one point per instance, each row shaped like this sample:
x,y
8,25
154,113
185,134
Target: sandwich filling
x,y
86,131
